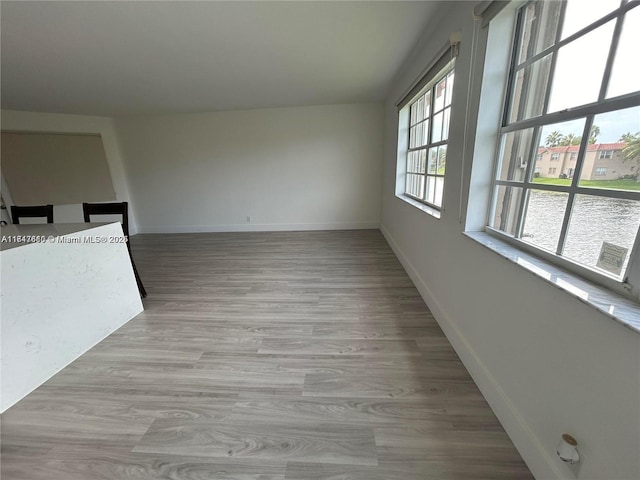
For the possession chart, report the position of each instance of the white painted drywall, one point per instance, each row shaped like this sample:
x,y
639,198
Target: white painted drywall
x,y
58,300
287,168
547,363
53,122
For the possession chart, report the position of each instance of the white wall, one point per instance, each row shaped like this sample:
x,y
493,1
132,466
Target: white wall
x,y
287,168
546,362
52,122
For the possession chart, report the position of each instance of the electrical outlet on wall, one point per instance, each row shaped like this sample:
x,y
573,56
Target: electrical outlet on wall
x,y
248,218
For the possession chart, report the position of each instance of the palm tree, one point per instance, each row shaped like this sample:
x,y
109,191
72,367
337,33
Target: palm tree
x,y
593,134
570,139
553,139
628,137
631,150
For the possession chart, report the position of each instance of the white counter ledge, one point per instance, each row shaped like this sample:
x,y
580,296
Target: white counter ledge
x,y
36,232
65,287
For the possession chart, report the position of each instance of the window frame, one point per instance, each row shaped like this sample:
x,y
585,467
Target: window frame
x,y
430,86
629,285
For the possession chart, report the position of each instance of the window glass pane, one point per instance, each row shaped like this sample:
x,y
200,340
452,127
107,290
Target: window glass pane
x,y
431,190
579,69
425,131
427,104
449,95
580,14
416,161
539,28
599,219
440,95
558,150
417,110
414,114
442,159
411,162
439,191
624,76
516,147
507,203
445,123
415,185
433,161
418,135
436,134
543,218
529,88
612,160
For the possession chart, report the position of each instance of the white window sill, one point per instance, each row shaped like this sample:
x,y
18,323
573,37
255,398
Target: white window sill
x,y
434,212
622,310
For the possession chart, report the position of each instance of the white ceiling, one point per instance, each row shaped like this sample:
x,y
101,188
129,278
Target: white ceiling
x,y
128,58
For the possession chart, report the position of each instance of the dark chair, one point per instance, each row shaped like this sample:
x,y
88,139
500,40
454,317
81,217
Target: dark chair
x,y
31,211
117,208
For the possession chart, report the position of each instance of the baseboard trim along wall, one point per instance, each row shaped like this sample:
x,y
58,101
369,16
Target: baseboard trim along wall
x,y
256,227
529,446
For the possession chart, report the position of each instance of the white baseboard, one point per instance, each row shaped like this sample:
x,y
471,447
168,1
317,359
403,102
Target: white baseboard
x,y
254,227
528,445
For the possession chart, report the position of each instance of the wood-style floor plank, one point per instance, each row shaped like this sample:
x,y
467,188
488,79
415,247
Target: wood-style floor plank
x,y
264,356
405,470
323,443
118,463
320,346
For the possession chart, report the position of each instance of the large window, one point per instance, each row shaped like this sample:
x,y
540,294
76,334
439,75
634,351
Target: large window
x,y
573,86
426,161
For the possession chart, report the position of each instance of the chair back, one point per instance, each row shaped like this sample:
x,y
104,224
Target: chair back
x,y
32,211
115,208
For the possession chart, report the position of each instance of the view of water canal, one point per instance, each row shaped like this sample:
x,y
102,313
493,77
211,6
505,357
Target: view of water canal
x,y
594,220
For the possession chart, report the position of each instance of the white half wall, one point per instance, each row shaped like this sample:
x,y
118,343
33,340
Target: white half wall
x,y
547,363
299,168
54,122
85,291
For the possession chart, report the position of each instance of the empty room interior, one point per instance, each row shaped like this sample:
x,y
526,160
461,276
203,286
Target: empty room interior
x,y
305,240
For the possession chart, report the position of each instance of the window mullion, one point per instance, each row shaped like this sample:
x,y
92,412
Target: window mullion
x,y
582,154
512,70
554,59
418,122
522,211
527,177
429,145
617,103
617,31
565,223
533,154
432,103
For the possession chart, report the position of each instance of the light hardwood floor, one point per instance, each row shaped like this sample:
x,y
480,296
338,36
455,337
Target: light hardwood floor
x,y
264,356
